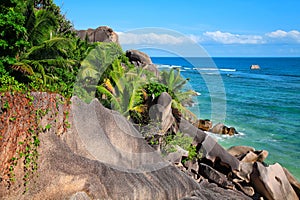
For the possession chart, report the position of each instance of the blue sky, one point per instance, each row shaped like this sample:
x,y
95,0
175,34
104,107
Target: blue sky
x,y
221,27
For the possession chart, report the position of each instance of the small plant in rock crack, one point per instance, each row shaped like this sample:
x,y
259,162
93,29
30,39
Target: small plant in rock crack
x,y
179,139
6,106
172,142
47,127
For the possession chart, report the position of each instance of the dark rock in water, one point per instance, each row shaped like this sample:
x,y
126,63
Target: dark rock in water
x,y
215,176
218,128
138,58
255,67
161,113
272,182
222,129
232,131
205,124
100,34
239,150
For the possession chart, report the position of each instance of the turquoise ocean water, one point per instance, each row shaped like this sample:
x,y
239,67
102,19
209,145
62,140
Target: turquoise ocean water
x,y
263,105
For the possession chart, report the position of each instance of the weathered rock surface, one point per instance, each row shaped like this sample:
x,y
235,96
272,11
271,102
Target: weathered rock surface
x,y
248,154
210,148
293,181
222,129
161,113
152,68
255,67
100,34
103,157
215,176
272,182
204,124
218,193
257,156
239,150
138,58
248,190
245,171
176,157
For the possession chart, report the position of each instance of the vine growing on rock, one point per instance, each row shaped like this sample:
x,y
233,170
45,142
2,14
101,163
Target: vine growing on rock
x,y
21,121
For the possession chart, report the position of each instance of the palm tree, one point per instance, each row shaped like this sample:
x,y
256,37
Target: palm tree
x,y
95,68
40,61
98,60
40,24
175,83
127,95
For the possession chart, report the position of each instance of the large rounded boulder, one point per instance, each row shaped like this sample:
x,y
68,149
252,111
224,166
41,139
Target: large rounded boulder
x,y
100,34
138,58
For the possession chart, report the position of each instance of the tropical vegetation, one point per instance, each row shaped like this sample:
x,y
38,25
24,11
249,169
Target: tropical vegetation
x,y
40,51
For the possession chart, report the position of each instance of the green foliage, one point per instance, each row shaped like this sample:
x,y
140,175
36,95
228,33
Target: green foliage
x,y
155,88
125,94
32,55
180,95
8,83
95,68
63,26
185,142
173,80
40,24
47,127
171,141
12,31
176,84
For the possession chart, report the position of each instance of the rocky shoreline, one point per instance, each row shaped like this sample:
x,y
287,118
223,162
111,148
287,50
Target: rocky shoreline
x,y
102,155
68,169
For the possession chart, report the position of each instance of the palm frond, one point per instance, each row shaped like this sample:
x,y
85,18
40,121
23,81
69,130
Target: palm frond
x,y
107,84
102,90
187,114
23,67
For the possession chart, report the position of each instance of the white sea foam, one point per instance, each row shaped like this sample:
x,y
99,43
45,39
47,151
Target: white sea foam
x,y
163,66
228,70
220,137
205,69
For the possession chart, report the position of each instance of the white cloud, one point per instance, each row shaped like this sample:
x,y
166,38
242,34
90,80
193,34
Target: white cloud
x,y
293,35
229,38
277,36
196,38
151,38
